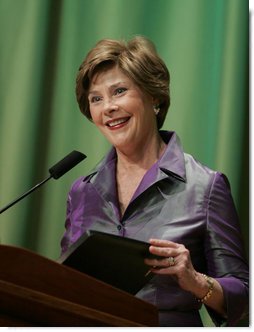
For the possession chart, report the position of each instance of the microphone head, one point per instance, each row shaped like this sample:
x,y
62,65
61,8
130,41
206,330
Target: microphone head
x,y
67,163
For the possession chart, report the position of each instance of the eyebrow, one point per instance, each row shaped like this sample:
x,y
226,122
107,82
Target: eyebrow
x,y
115,85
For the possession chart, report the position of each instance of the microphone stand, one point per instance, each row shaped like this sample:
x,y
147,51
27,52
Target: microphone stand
x,y
25,194
59,169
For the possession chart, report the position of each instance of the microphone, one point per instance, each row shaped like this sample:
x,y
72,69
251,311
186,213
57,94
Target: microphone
x,y
56,171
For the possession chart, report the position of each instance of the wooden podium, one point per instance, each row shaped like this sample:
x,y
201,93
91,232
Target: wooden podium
x,y
36,291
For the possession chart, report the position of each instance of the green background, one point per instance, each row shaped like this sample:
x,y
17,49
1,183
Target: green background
x,y
42,43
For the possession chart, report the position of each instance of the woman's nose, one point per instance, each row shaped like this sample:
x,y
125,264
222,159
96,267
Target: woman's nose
x,y
110,107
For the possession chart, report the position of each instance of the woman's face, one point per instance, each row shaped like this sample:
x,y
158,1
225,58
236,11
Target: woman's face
x,y
121,111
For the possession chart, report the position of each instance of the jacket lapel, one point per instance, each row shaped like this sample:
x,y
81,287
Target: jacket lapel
x,y
170,165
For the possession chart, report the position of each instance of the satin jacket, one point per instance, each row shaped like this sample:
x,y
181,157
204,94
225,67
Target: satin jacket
x,y
180,200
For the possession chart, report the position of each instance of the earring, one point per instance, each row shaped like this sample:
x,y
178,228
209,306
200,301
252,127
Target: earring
x,y
156,109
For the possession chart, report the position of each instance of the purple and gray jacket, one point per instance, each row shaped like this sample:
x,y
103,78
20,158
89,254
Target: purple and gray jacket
x,y
179,200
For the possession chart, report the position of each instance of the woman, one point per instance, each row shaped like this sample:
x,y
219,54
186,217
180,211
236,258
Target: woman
x,y
148,189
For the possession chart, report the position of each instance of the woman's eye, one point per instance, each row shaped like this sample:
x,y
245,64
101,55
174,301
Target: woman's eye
x,y
95,99
118,91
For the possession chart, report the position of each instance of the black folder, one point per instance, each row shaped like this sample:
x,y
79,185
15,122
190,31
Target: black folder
x,y
116,260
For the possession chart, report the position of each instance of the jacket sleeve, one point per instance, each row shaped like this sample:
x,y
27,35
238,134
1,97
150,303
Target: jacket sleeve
x,y
224,251
73,220
65,241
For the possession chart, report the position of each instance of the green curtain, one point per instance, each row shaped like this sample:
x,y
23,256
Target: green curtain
x,y
42,43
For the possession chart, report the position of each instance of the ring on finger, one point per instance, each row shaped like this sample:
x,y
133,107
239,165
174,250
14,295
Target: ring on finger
x,y
171,261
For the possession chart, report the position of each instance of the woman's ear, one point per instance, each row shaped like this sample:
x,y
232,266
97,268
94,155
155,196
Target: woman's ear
x,y
156,105
156,101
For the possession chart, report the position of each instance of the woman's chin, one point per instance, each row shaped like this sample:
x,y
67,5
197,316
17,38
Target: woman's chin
x,y
123,145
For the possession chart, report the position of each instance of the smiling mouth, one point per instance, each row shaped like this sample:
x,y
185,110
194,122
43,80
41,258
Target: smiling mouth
x,y
117,122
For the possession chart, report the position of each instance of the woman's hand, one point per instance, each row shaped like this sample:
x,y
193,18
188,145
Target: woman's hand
x,y
176,262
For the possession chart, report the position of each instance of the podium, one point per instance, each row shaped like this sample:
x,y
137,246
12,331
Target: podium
x,y
36,291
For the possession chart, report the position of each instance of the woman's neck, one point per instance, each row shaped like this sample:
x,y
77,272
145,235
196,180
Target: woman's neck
x,y
141,157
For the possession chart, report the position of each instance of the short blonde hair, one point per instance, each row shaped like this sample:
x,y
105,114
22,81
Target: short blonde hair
x,y
138,59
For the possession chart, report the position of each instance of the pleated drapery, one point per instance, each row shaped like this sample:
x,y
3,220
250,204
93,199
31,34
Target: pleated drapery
x,y
42,43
